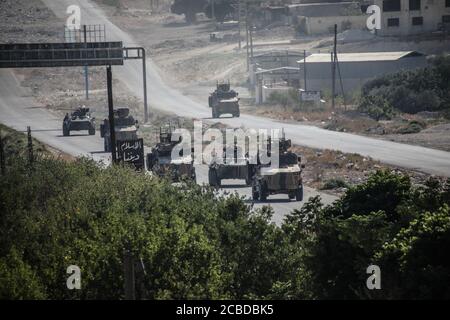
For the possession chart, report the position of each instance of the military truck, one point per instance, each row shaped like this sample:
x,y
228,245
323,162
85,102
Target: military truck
x,y
125,128
224,101
160,162
78,120
286,179
239,169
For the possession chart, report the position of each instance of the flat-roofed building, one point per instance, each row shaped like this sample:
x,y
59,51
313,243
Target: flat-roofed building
x,y
356,68
410,17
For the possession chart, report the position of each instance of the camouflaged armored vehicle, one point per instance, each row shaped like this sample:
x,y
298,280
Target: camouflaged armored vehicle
x,y
224,101
238,169
160,162
286,179
78,120
125,128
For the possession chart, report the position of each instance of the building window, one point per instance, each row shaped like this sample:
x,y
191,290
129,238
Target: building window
x,y
447,3
417,21
391,5
393,22
446,19
414,5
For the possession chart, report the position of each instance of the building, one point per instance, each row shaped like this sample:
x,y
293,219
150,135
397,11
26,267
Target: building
x,y
410,17
356,68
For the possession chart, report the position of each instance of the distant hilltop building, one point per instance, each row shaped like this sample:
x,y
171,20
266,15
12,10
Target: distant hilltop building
x,y
410,17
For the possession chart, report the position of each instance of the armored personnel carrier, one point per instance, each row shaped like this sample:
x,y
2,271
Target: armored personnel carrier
x,y
286,179
78,120
224,101
239,169
160,162
125,127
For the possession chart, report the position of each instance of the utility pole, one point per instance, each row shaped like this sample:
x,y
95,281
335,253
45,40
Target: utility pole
x,y
144,79
112,127
239,23
304,68
213,13
333,68
251,40
30,148
246,36
86,75
2,156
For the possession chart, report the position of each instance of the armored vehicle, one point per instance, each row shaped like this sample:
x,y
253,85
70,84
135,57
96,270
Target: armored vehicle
x,y
78,120
238,169
286,179
160,162
224,100
125,128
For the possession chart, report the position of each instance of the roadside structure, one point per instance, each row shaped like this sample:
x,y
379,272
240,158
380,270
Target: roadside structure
x,y
357,68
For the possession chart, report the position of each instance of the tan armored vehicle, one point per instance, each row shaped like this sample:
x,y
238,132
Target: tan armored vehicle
x,y
125,128
224,101
239,169
78,120
160,162
286,179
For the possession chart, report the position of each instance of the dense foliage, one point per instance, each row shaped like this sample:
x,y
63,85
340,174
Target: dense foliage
x,y
196,244
412,91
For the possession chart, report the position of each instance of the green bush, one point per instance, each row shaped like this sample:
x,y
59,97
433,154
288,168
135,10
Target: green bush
x,y
334,184
285,99
412,127
376,107
412,91
194,243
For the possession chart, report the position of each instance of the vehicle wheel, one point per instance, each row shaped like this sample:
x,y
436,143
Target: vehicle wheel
x,y
91,131
299,194
262,193
66,131
212,178
255,194
106,145
194,177
237,114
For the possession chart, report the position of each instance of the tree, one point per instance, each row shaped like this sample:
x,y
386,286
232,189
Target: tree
x,y
222,8
189,8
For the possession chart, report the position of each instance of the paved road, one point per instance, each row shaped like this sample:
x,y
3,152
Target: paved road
x,y
165,98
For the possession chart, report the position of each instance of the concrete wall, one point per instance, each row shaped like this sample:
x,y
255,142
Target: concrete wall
x,y
323,25
355,74
266,91
431,11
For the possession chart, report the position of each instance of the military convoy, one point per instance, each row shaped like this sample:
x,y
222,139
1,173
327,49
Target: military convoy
x,y
286,179
125,128
161,163
263,179
224,101
78,120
